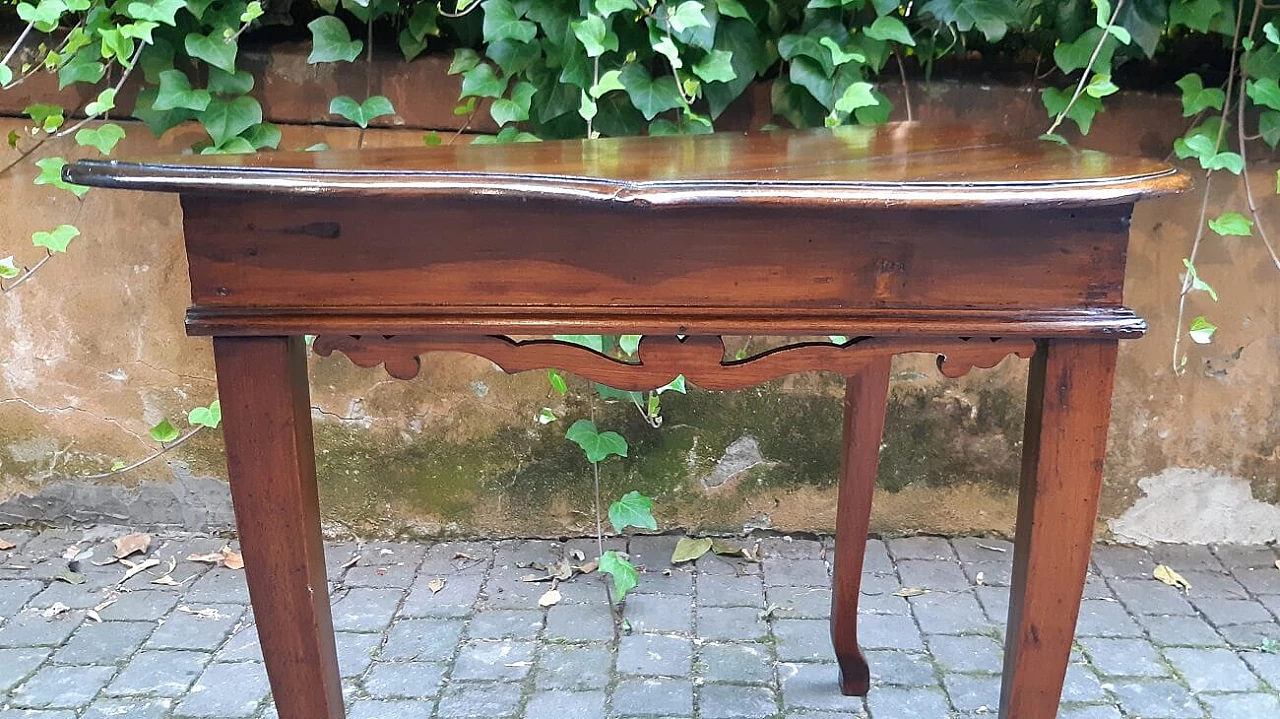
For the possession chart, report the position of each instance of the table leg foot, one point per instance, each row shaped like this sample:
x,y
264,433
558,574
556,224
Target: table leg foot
x,y
1068,409
866,395
266,411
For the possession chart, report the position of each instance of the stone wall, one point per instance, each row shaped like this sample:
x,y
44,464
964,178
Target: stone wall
x,y
93,353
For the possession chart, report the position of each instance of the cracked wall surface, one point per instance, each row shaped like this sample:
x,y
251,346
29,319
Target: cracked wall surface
x,y
93,354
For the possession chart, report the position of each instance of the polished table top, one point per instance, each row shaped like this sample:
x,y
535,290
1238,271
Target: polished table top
x,y
904,164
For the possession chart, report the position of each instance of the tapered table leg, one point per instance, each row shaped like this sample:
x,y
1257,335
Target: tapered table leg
x,y
865,397
1068,409
266,417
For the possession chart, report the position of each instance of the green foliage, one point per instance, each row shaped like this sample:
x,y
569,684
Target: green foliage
x,y
164,432
361,113
57,239
209,417
632,510
597,445
625,577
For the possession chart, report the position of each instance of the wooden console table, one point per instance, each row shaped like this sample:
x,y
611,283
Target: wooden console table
x,y
904,238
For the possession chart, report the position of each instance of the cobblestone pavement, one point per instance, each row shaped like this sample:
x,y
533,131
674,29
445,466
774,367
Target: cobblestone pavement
x,y
728,639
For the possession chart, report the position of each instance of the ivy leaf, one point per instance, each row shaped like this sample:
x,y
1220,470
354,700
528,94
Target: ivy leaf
x,y
105,102
210,416
175,92
164,432
990,17
1075,55
675,385
225,119
1232,224
51,174
1269,127
1196,98
330,42
688,14
1057,101
1198,15
1264,91
140,30
857,95
361,113
8,270
464,59
44,16
46,117
633,510
888,27
482,81
160,11
6,76
158,121
598,446
1202,330
83,67
103,139
650,96
717,66
57,239
608,83
557,381
1100,86
501,22
1196,282
734,8
214,50
629,344
625,577
239,82
594,35
264,134
516,108
252,12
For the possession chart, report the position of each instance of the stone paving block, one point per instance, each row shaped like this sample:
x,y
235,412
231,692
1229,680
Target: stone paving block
x,y
1082,685
803,640
141,605
653,697
920,548
796,573
1212,585
670,580
877,596
903,703
429,640
218,586
1089,712
573,666
991,574
1186,557
585,589
454,558
969,654
722,701
356,651
162,673
936,576
727,590
1149,596
184,630
18,664
1181,631
61,687
505,590
242,646
31,629
226,690
14,593
995,603
980,550
129,708
875,558
1124,657
1095,587
454,600
379,709
508,660
659,613
1241,706
386,565
741,663
730,623
655,655
76,596
580,622
1250,636
514,552
1100,618
652,551
1212,670
717,565
1158,699
1272,603
566,705
1266,666
949,613
103,642
1118,560
505,624
337,558
800,602
809,714
900,668
364,609
788,547
887,631
1225,612
404,680
1245,556
37,714
979,694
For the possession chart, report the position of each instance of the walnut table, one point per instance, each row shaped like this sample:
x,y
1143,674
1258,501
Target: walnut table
x,y
904,238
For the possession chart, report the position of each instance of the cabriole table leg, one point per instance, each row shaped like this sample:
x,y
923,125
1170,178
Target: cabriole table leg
x,y
266,410
1068,409
866,395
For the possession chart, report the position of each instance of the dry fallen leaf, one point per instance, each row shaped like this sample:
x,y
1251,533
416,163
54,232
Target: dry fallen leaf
x,y
689,549
131,543
550,598
137,569
980,579
721,547
589,567
910,592
992,548
210,558
232,559
1170,577
519,664
70,577
435,585
166,580
93,614
351,562
55,610
207,613
6,545
1278,564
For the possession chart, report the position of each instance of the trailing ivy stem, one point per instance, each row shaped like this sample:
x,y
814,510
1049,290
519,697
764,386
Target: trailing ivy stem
x,y
17,43
1088,70
154,455
1248,185
906,89
1187,280
124,77
27,275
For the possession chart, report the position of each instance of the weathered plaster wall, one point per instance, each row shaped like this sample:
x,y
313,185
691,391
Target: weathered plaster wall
x,y
92,353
